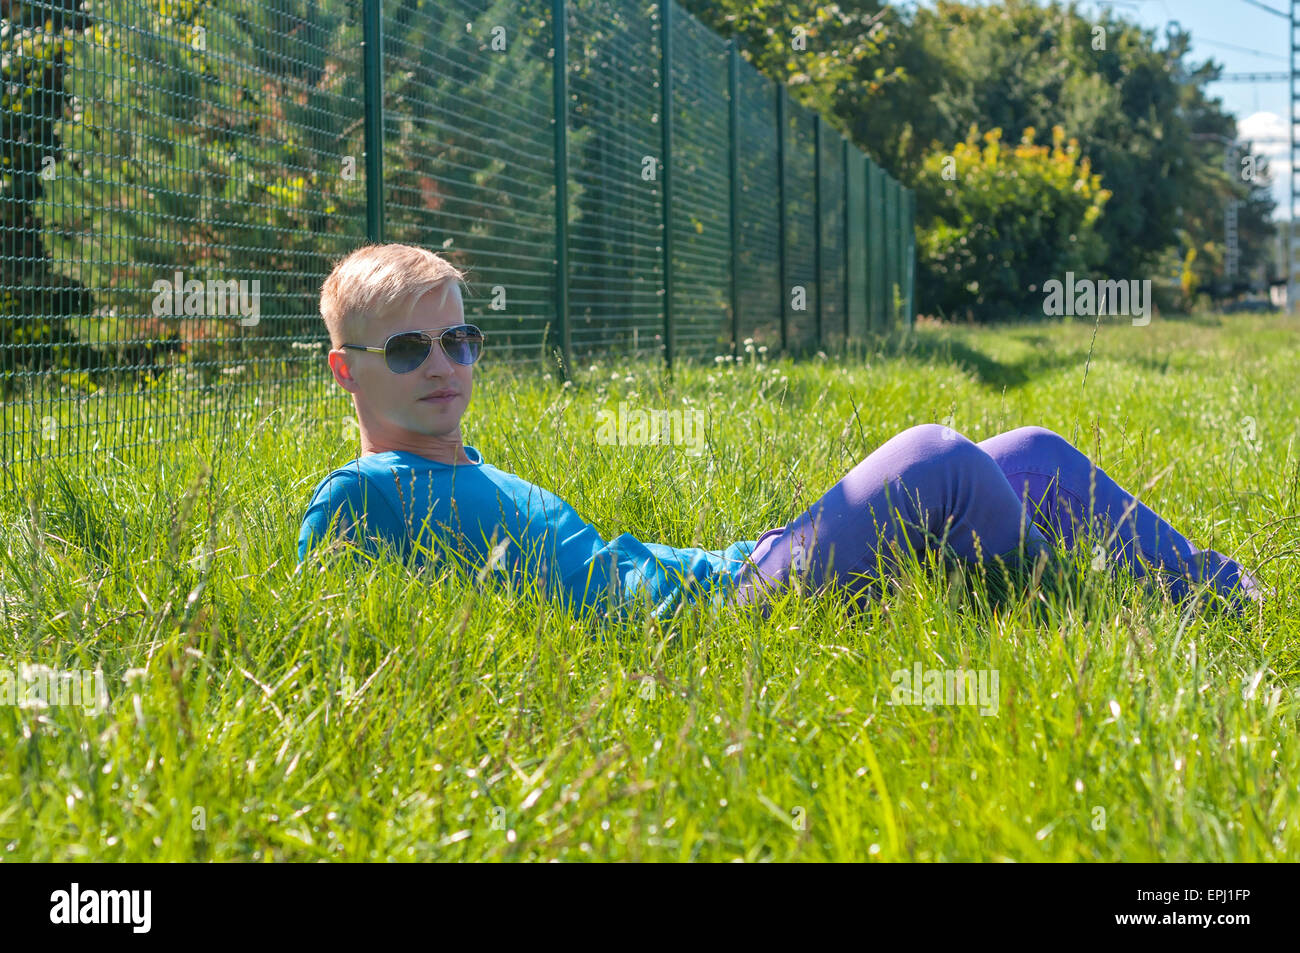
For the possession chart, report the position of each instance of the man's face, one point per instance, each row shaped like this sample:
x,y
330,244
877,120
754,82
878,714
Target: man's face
x,y
396,409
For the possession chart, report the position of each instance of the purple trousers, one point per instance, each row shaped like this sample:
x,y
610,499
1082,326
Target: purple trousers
x,y
1007,496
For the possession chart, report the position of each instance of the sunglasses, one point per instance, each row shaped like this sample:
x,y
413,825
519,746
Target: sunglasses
x,y
407,350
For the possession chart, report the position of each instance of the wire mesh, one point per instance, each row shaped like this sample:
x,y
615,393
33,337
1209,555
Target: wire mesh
x,y
616,260
856,272
702,190
831,201
759,296
468,169
800,295
909,256
876,245
173,189
889,237
179,179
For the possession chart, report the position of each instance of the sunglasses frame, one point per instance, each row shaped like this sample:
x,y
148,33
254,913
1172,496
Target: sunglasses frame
x,y
429,335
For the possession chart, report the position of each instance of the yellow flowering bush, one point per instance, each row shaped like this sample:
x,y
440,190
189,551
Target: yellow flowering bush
x,y
996,220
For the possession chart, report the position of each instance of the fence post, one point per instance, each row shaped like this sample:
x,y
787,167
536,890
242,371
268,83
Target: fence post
x,y
868,211
882,249
869,282
909,260
817,229
875,259
372,35
889,245
733,86
780,198
666,192
900,220
844,247
900,210
560,119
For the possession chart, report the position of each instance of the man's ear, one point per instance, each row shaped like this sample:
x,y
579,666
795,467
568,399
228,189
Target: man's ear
x,y
342,374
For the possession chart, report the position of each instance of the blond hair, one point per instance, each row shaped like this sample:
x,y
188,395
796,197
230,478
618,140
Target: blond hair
x,y
372,279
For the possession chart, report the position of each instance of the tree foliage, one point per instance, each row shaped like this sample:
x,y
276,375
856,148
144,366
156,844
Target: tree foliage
x,y
998,220
910,85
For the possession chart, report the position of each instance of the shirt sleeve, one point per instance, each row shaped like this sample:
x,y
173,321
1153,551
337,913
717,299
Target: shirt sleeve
x,y
626,570
347,502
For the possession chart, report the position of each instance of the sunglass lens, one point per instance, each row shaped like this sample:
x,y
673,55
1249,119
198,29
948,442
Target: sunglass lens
x,y
463,344
406,352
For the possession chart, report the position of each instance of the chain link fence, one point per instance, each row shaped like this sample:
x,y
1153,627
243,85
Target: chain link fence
x,y
178,178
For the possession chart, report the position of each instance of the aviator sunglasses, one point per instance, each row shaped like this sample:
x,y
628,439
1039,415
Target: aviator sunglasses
x,y
407,350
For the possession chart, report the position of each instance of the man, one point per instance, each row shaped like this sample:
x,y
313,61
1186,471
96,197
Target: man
x,y
400,346
420,489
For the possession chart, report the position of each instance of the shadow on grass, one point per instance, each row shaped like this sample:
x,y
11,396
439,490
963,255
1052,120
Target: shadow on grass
x,y
1047,355
989,370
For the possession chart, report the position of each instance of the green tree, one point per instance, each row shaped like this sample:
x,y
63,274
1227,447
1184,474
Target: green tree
x,y
905,84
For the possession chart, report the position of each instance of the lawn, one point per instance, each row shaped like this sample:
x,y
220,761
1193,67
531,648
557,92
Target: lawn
x,y
369,712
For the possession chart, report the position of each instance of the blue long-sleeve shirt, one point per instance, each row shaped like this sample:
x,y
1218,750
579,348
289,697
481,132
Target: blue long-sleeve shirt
x,y
415,504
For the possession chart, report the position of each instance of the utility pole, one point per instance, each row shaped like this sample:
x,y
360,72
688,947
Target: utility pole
x,y
1230,250
1291,285
1230,263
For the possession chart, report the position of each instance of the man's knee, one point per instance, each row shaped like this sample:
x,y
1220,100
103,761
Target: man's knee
x,y
932,445
1040,435
1047,446
932,437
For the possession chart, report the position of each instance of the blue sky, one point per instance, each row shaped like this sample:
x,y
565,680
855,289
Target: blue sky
x,y
1242,38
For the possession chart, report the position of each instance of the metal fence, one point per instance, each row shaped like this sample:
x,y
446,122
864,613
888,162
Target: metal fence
x,y
178,178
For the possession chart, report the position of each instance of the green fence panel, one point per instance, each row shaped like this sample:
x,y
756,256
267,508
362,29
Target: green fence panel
x,y
856,182
701,190
168,154
900,258
889,242
800,292
876,245
831,216
759,252
218,155
616,216
909,257
468,170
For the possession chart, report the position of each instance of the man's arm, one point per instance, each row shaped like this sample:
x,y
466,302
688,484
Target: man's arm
x,y
347,507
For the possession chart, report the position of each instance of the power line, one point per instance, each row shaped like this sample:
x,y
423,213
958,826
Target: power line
x,y
1291,246
1242,49
1262,6
1253,78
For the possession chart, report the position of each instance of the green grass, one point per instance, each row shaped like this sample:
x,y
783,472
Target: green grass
x,y
370,712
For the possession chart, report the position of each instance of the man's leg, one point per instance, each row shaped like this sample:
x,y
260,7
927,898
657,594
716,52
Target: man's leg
x,y
1067,494
923,487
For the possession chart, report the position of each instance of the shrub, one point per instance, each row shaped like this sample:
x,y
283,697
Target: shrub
x,y
996,221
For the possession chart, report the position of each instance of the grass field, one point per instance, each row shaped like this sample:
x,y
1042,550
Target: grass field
x,y
368,713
